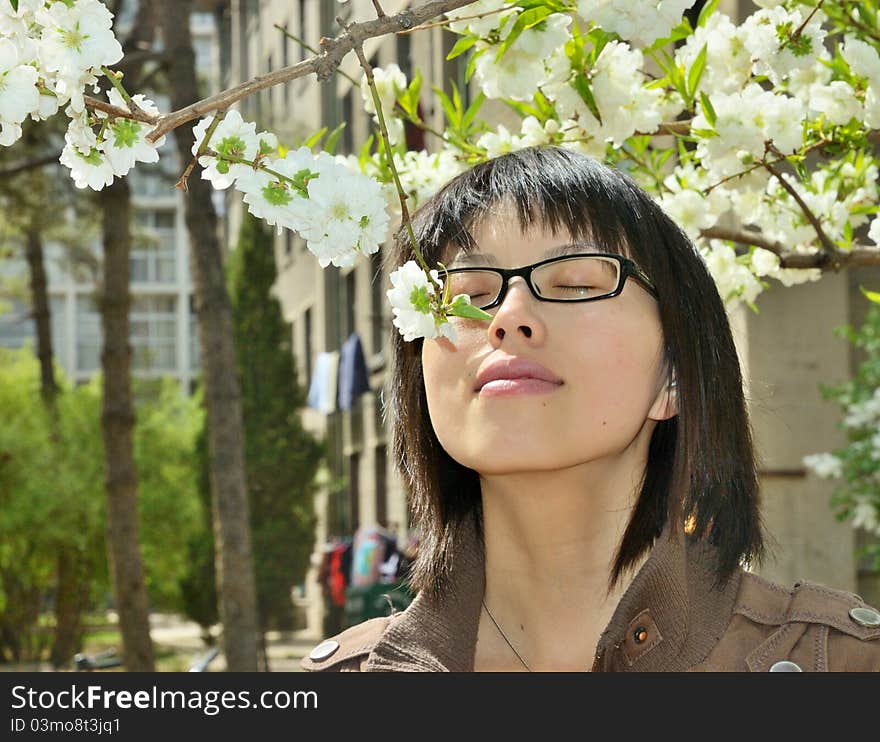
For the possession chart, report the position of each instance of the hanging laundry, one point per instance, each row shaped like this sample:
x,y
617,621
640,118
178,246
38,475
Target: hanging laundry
x,y
325,377
354,379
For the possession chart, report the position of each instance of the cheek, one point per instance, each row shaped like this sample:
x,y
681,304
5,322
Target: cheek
x,y
444,371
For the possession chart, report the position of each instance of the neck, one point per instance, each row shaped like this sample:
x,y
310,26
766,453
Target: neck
x,y
550,539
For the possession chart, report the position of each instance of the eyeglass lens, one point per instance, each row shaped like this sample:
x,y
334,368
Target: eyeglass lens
x,y
568,279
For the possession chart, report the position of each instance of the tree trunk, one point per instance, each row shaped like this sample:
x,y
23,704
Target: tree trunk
x,y
235,571
117,420
41,315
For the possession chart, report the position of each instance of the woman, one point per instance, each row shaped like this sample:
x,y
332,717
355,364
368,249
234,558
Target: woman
x,y
581,467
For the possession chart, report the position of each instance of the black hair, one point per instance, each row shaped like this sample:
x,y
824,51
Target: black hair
x,y
701,465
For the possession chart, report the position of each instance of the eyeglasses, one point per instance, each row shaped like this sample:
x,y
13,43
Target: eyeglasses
x,y
571,278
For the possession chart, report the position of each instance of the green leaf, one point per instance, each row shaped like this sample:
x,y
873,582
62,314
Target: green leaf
x,y
472,110
461,46
525,21
873,296
707,10
580,84
409,98
696,72
461,307
472,63
708,109
330,144
452,116
364,154
315,138
14,4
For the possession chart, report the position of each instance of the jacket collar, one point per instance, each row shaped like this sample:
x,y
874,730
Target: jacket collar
x,y
671,598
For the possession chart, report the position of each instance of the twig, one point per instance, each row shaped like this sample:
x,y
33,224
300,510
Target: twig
x,y
203,147
323,65
377,102
829,246
118,112
800,29
455,20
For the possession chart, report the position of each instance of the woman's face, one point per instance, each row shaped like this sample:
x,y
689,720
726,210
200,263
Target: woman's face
x,y
607,353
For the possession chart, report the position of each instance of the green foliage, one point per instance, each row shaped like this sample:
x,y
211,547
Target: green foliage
x,y
857,496
52,494
281,457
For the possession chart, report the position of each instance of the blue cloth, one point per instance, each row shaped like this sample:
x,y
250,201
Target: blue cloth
x,y
354,379
322,390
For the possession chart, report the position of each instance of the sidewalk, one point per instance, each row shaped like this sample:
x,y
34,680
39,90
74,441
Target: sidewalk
x,y
284,650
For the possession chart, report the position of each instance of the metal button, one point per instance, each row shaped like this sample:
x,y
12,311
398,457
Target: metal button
x,y
324,650
865,616
785,666
640,635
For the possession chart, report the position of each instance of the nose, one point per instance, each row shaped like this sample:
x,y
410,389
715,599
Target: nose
x,y
517,313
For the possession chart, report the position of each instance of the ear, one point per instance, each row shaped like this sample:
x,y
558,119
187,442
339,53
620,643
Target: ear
x,y
666,403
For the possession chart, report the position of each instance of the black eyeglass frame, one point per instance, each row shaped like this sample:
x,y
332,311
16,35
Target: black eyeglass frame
x,y
628,268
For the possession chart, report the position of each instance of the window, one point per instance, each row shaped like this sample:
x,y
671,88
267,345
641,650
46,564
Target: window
x,y
154,333
381,486
153,256
88,334
354,490
194,349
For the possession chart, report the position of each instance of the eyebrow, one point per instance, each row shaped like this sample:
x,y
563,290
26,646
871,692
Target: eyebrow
x,y
478,258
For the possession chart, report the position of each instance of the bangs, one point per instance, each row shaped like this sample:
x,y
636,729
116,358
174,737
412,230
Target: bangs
x,y
556,189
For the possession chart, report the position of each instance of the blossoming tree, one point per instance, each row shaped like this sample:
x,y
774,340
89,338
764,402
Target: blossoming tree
x,y
757,137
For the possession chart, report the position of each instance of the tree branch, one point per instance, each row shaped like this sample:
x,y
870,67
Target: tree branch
x,y
323,65
108,108
858,256
37,162
827,244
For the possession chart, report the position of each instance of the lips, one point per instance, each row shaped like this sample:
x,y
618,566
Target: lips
x,y
512,367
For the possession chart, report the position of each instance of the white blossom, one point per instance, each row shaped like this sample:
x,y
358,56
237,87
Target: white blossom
x,y
18,92
825,465
874,231
837,101
862,58
536,58
865,516
625,105
346,214
728,62
410,298
767,35
734,280
89,169
764,262
125,141
744,122
76,39
233,137
274,199
639,21
497,14
389,81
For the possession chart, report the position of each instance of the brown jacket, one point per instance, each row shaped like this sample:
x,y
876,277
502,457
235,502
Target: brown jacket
x,y
669,619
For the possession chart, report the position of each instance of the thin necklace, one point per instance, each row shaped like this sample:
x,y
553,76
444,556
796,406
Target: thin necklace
x,y
501,631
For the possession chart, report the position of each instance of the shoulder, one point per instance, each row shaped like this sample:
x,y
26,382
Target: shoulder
x,y
348,650
808,627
